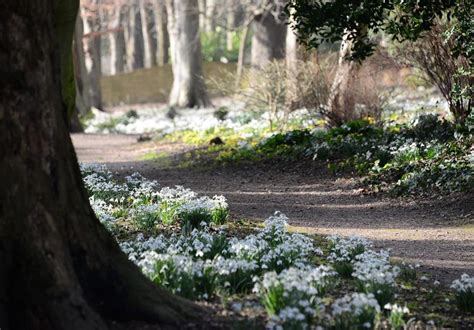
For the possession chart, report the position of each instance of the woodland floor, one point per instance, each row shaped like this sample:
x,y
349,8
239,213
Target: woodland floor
x,y
436,233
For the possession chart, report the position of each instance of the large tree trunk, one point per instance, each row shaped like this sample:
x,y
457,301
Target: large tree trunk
x,y
341,103
188,89
92,59
268,41
133,38
148,56
59,269
117,43
162,38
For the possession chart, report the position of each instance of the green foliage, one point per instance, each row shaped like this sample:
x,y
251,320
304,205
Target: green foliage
x,y
193,219
214,46
64,14
328,21
408,274
145,217
429,155
169,273
321,22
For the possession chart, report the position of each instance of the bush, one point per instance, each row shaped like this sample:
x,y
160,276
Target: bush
x,y
436,57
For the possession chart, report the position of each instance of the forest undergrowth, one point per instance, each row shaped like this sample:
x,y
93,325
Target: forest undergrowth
x,y
267,273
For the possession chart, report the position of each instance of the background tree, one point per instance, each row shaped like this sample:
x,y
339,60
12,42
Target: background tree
x,y
81,279
188,89
148,55
269,34
92,52
162,37
116,40
133,37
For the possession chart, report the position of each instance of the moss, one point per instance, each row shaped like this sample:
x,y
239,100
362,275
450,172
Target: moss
x,y
65,14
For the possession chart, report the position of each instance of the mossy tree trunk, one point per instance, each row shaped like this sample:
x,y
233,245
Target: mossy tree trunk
x,y
59,269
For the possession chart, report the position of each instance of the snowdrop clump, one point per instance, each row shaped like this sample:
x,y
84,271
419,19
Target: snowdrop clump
x,y
293,297
273,248
145,204
355,311
232,263
396,317
464,292
344,251
148,120
375,275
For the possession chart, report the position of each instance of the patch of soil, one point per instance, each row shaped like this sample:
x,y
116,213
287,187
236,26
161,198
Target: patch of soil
x,y
437,233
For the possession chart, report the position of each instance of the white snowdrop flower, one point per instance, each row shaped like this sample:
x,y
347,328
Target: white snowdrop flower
x,y
464,284
424,278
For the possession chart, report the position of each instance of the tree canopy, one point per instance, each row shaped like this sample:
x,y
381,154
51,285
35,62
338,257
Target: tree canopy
x,y
328,21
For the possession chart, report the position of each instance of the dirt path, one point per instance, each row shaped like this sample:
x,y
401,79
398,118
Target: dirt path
x,y
436,233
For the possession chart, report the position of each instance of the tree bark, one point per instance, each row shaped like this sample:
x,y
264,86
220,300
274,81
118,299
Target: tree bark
x,y
268,41
133,38
162,38
230,23
188,88
92,45
117,43
209,18
83,101
60,268
148,56
341,103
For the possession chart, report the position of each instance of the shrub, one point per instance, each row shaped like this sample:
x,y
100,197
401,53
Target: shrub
x,y
435,56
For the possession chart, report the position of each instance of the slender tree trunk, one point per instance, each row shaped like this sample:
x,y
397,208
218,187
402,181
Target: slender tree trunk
x,y
291,51
209,19
133,38
162,38
92,59
240,61
60,268
268,41
341,103
148,55
83,100
230,23
293,74
202,14
117,43
188,89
